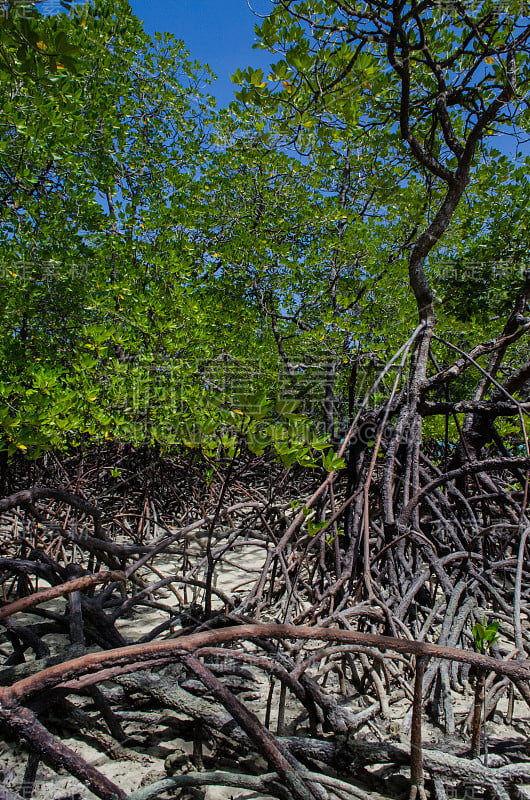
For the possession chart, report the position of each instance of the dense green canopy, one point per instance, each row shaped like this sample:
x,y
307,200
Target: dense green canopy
x,y
178,274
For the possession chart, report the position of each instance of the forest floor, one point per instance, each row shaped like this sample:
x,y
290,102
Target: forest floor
x,y
210,703
153,748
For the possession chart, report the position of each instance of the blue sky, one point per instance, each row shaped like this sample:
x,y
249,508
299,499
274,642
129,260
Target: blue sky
x,y
217,32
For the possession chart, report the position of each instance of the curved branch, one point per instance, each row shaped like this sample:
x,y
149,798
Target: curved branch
x,y
57,591
490,464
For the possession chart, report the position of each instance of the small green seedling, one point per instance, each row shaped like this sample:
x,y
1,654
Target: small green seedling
x,y
485,635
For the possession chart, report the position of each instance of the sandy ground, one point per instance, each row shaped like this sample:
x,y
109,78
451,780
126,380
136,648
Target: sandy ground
x,y
235,574
150,745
